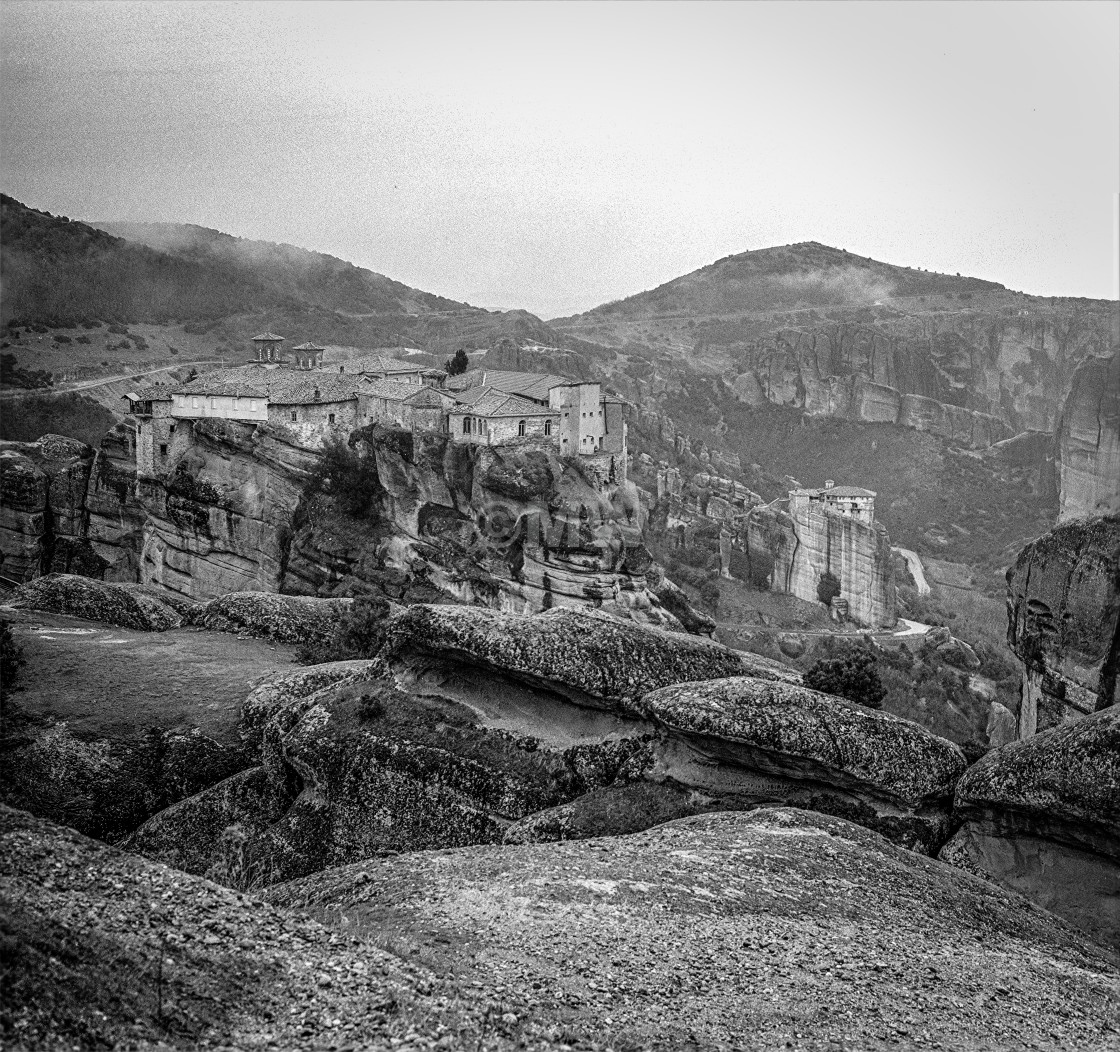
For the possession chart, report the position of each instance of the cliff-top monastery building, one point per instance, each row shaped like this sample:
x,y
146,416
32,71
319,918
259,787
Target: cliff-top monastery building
x,y
313,401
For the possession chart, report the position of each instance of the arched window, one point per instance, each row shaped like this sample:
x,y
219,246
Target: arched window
x,y
466,425
548,427
521,428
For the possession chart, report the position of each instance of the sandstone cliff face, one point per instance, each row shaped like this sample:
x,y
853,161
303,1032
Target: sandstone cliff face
x,y
974,378
1042,817
1063,618
803,546
513,528
1087,441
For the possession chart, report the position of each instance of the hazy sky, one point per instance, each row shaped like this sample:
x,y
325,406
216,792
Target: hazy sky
x,y
554,157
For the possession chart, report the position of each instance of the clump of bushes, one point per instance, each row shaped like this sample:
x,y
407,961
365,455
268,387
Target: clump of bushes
x,y
348,477
360,633
11,658
12,374
854,675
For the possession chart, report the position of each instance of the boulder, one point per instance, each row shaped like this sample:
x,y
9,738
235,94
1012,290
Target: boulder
x,y
812,750
286,618
94,600
583,655
1042,817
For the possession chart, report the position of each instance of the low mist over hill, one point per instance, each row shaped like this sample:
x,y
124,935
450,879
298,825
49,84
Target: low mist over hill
x,y
808,274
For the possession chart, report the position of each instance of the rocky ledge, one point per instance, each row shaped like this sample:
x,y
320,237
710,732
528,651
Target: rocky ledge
x,y
1042,817
799,746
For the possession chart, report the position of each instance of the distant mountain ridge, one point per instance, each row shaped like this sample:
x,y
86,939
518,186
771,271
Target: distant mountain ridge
x,y
807,274
56,271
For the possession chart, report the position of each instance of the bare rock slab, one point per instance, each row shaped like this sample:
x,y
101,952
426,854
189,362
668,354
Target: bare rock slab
x,y
737,930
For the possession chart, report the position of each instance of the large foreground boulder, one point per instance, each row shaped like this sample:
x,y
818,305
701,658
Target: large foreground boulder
x,y
115,604
1042,817
771,742
768,929
475,727
583,655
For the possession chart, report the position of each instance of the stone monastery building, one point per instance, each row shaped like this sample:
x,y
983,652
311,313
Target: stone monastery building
x,y
313,401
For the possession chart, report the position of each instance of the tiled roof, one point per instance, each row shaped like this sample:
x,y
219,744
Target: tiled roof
x,y
279,386
151,393
495,403
394,390
528,385
847,491
309,347
223,383
376,363
425,398
470,395
287,388
268,337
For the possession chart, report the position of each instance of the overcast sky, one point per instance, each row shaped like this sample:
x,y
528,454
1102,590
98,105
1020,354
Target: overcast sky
x,y
554,157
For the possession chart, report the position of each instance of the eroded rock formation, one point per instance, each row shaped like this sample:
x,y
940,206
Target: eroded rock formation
x,y
513,528
1063,617
473,726
1042,817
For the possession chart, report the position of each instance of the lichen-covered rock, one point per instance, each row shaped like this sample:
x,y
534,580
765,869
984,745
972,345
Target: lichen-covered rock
x,y
1063,613
287,618
815,750
95,600
1042,817
584,655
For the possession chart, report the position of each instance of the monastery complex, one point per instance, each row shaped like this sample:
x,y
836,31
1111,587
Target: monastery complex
x,y
314,401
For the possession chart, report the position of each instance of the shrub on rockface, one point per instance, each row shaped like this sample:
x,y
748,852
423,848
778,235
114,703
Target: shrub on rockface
x,y
11,658
854,676
828,588
348,476
359,633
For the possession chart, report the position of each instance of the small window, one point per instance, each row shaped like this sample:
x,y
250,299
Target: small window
x,y
163,449
293,416
171,430
194,403
252,405
342,368
521,428
466,425
330,418
548,427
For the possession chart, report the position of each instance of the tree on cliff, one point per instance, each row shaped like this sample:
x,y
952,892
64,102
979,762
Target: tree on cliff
x,y
458,363
854,676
